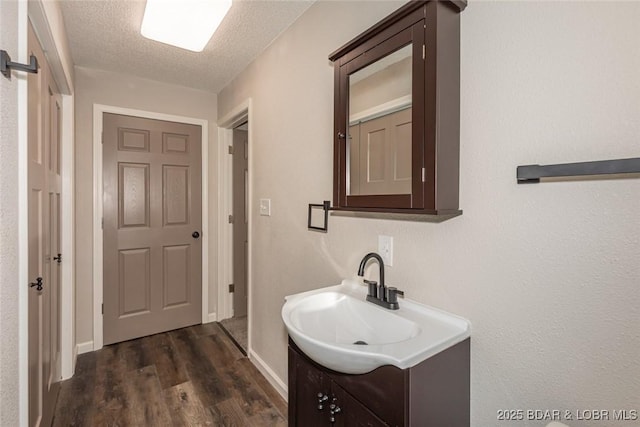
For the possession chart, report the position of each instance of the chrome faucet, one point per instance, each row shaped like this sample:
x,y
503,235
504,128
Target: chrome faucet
x,y
379,294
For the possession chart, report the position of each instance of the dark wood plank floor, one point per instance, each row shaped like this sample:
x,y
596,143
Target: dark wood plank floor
x,y
189,377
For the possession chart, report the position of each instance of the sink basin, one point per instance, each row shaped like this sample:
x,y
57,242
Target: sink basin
x,y
338,329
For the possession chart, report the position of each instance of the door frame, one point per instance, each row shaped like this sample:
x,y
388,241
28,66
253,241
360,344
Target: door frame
x,y
98,212
44,18
242,113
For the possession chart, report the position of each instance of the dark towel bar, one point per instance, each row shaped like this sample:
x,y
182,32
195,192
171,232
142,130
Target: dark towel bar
x,y
532,173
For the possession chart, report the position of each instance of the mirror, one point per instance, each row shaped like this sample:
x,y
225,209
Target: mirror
x,y
379,128
397,113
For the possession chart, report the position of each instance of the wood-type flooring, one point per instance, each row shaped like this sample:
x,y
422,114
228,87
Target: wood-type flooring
x,y
188,377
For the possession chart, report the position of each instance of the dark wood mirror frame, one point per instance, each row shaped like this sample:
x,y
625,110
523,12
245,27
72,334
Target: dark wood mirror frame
x,y
433,28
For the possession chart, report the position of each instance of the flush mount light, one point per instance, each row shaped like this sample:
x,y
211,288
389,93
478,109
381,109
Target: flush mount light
x,y
188,24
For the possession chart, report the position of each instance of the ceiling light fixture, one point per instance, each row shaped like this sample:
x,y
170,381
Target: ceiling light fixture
x,y
188,24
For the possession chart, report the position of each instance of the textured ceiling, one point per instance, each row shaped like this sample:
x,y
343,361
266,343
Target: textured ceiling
x,y
105,34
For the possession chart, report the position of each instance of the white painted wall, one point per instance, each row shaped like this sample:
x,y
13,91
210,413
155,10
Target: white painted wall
x,y
548,274
9,237
119,90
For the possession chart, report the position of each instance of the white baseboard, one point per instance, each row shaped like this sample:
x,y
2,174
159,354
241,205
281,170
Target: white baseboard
x,y
212,317
84,347
270,375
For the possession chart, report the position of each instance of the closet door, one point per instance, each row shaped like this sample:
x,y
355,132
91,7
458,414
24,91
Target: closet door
x,y
44,239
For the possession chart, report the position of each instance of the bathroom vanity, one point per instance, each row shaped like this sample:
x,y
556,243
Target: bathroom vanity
x,y
434,393
353,362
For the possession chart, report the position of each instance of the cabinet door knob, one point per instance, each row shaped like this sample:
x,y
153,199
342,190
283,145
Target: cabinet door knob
x,y
321,399
333,410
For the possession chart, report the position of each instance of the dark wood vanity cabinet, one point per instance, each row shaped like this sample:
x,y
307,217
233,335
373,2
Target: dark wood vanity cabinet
x,y
434,393
407,63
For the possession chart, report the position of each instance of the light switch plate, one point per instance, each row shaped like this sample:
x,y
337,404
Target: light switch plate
x,y
385,249
265,207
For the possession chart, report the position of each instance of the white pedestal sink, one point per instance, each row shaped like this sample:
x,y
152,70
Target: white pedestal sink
x,y
338,329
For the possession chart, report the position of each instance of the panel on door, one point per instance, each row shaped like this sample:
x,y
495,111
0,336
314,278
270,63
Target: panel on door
x,y
309,393
152,225
349,412
175,286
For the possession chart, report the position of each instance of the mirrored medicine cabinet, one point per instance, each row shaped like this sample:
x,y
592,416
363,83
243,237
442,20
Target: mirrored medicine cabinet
x,y
397,114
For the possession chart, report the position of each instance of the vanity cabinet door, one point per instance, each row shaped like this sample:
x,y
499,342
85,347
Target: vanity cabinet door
x,y
308,387
351,412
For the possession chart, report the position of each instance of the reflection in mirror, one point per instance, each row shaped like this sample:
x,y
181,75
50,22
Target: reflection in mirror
x,y
379,141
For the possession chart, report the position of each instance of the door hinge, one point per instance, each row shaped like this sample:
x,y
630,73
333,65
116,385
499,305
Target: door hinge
x,y
102,137
232,288
231,149
424,174
102,308
230,219
424,51
102,223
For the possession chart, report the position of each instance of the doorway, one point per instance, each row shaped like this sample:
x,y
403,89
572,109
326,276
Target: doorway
x,y
237,325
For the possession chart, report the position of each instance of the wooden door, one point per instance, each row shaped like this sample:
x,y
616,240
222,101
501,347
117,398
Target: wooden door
x,y
349,412
152,225
44,238
309,393
240,220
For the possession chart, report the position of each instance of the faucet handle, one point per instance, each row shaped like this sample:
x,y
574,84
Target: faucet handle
x,y
392,294
373,287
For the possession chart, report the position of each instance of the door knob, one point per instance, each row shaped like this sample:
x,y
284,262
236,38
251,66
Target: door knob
x,y
37,284
195,234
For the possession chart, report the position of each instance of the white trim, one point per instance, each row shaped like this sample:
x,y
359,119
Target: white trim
x,y
277,383
212,317
67,237
225,248
381,110
238,115
97,228
44,33
23,220
84,347
98,111
204,200
53,48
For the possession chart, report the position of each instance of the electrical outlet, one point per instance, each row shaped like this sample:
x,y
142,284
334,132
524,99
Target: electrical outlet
x,y
385,249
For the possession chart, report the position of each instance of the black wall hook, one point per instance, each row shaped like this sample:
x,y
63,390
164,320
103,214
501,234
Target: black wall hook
x,y
6,65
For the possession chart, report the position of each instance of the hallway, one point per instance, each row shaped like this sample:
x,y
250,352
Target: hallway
x,y
188,377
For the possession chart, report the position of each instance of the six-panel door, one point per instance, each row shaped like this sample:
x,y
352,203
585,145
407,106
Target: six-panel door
x,y
152,226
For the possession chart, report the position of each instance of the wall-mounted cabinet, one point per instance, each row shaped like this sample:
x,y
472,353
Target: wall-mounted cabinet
x,y
397,113
434,393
